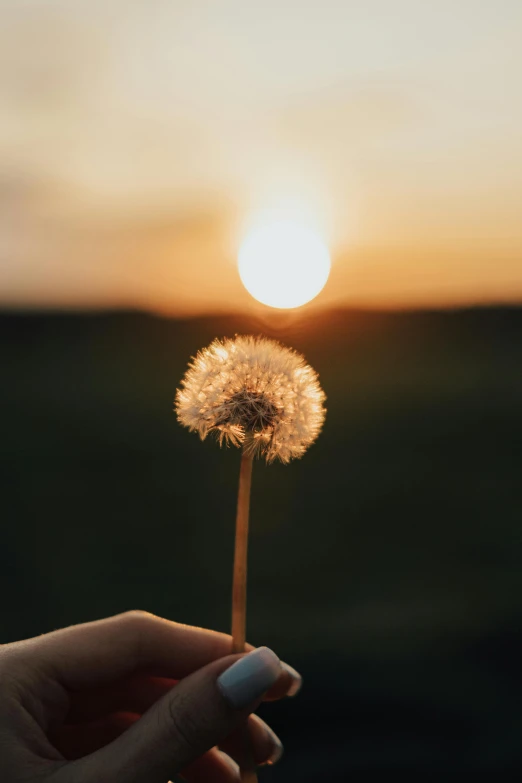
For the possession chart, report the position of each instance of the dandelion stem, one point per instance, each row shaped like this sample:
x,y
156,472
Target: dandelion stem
x,y
239,588
239,593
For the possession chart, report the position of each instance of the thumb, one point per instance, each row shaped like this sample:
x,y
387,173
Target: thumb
x,y
195,715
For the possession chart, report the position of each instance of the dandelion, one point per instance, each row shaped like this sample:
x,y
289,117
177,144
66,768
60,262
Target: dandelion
x,y
256,394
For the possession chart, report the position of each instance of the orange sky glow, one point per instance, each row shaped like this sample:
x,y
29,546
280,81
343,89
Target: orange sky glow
x,y
138,141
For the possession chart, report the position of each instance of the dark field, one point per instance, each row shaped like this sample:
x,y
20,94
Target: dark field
x,y
386,565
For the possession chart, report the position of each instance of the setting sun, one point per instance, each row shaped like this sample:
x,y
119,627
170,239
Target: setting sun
x,y
283,264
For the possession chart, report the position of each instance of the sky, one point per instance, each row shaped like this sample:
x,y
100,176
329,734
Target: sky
x,y
139,140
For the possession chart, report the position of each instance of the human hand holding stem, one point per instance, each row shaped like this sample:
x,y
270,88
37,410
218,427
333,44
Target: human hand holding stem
x,y
135,699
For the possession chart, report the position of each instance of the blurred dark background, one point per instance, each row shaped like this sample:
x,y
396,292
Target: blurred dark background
x,y
385,565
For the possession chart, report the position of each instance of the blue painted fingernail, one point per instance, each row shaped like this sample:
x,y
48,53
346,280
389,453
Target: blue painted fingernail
x,y
250,677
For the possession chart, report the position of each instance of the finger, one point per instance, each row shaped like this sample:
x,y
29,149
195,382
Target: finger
x,y
104,650
212,766
265,746
136,693
193,717
74,742
108,649
88,729
79,740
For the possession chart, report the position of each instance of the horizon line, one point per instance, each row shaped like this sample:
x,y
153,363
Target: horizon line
x,y
101,310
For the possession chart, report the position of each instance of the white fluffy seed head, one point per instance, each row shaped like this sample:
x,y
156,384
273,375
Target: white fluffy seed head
x,y
255,393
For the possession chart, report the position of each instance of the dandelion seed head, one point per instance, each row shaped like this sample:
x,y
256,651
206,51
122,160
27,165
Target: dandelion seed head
x,y
254,393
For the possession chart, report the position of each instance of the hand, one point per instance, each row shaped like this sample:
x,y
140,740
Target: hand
x,y
134,699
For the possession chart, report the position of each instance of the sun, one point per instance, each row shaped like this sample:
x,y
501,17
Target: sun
x,y
283,263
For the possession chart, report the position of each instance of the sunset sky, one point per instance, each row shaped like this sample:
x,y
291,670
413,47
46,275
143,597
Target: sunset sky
x,y
140,138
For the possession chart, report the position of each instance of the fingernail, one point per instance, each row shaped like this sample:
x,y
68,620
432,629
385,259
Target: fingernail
x,y
297,680
250,677
277,747
278,750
